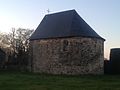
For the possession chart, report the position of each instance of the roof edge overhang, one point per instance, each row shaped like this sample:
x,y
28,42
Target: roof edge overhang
x,y
66,37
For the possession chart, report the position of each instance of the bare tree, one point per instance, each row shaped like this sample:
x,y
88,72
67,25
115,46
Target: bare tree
x,y
19,39
23,38
18,43
4,40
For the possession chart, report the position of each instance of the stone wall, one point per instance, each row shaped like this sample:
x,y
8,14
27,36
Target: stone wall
x,y
71,56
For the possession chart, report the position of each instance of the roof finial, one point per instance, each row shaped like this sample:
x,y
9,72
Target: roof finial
x,y
48,11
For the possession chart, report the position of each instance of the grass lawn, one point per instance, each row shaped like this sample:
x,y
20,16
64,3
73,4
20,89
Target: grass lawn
x,y
29,81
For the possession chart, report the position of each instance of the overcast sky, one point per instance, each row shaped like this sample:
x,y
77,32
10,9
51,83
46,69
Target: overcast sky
x,y
102,15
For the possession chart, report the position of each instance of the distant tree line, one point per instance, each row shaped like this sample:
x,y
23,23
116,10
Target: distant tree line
x,y
16,46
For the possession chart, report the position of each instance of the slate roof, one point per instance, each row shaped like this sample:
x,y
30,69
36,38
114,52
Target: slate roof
x,y
63,24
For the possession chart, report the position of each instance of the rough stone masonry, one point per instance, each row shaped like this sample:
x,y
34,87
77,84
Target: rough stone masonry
x,y
70,56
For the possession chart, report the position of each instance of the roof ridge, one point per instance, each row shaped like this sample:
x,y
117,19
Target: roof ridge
x,y
61,12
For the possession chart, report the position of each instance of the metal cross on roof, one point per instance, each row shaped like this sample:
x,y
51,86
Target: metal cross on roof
x,y
48,11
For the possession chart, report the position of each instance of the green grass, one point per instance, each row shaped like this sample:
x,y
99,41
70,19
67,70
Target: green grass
x,y
29,81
